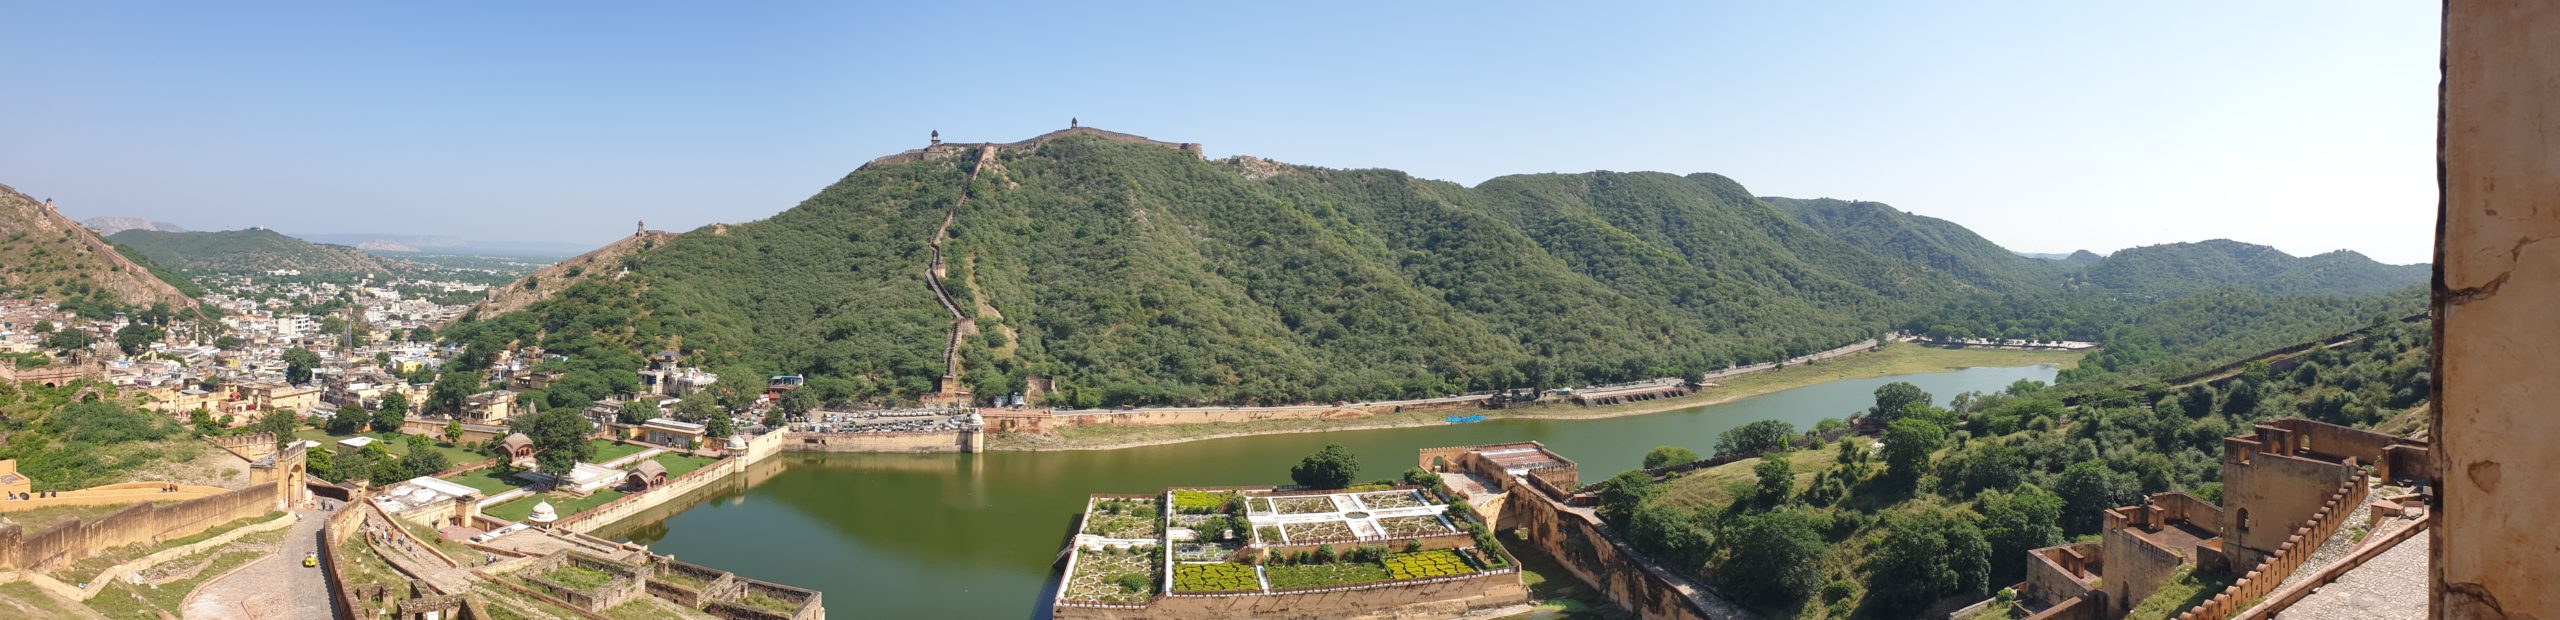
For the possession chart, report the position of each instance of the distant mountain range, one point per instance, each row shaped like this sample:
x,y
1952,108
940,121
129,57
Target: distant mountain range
x,y
108,225
439,244
1133,271
245,250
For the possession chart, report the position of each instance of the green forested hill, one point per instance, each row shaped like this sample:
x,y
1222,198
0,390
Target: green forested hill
x,y
251,249
1129,272
1921,240
2179,268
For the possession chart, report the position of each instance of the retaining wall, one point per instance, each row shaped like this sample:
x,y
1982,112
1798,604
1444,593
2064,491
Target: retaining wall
x,y
1599,559
140,523
935,441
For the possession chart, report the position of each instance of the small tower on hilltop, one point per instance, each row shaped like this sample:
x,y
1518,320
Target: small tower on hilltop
x,y
1073,123
640,229
937,137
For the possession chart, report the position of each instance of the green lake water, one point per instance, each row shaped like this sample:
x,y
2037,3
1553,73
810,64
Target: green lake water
x,y
973,536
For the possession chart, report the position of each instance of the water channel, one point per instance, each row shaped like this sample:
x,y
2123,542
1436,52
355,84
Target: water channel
x,y
973,536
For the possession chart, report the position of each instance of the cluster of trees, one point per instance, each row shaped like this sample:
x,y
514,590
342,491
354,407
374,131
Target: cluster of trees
x,y
375,462
1961,491
1331,467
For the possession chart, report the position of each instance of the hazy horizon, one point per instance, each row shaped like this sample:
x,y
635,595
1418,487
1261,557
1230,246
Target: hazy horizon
x,y
2309,127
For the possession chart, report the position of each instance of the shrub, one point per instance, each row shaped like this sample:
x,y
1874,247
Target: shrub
x,y
1200,502
1133,582
1214,578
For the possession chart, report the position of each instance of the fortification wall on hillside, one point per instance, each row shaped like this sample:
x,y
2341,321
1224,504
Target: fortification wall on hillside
x,y
950,150
140,523
1586,549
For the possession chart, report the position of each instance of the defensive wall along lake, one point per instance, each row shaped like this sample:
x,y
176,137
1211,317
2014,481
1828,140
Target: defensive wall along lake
x,y
975,535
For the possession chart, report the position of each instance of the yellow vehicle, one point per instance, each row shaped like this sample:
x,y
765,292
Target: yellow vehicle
x,y
310,560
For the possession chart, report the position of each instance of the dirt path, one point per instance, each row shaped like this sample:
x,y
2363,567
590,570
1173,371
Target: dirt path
x,y
274,588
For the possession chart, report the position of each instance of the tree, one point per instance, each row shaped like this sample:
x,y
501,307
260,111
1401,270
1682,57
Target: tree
x,y
2240,398
203,421
394,413
1669,534
425,462
1992,466
1754,438
1907,445
451,390
719,427
1926,556
227,343
561,437
797,403
1772,558
352,466
2031,518
1332,467
453,432
69,340
348,421
319,464
1777,477
276,421
135,338
1895,397
2088,487
1665,456
1620,495
298,362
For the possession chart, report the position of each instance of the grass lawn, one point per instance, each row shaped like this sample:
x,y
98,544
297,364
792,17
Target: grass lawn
x,y
680,464
607,451
397,443
651,608
19,599
563,504
759,600
86,569
123,600
2183,591
1557,594
1706,488
488,480
579,578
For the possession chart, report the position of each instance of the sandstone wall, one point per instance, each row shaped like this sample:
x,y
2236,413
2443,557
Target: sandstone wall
x,y
2497,282
936,441
140,523
1599,559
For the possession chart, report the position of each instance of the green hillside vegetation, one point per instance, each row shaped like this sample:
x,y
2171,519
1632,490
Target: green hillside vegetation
x,y
1129,273
246,250
44,254
1961,491
2179,268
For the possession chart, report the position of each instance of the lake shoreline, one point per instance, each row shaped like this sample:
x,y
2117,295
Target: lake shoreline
x,y
1894,359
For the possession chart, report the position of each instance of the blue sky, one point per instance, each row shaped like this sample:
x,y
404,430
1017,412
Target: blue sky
x,y
2045,126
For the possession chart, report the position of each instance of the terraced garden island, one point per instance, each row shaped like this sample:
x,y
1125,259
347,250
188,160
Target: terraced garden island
x,y
1232,551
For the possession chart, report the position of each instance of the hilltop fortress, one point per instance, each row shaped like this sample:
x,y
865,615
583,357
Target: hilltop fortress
x,y
940,150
